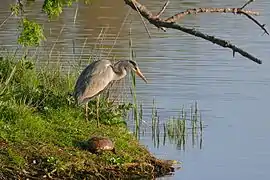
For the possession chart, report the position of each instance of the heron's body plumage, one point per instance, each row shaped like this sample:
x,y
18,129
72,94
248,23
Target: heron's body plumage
x,y
93,79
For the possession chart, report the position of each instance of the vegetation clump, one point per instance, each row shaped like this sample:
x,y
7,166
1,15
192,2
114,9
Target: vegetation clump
x,y
43,132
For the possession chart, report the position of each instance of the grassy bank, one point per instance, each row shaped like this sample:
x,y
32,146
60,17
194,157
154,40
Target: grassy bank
x,y
43,133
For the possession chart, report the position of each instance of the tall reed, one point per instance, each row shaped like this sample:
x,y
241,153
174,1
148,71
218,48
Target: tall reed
x,y
181,127
178,129
137,113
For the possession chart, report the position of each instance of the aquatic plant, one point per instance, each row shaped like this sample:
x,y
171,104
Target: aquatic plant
x,y
178,129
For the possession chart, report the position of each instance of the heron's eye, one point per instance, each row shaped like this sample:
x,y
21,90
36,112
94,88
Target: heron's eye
x,y
133,63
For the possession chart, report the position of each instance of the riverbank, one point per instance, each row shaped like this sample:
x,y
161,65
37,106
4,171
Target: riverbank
x,y
42,131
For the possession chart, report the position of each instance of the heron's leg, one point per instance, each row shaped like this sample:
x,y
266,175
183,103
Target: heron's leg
x,y
98,97
86,111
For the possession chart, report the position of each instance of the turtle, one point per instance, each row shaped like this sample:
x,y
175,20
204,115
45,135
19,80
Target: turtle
x,y
100,144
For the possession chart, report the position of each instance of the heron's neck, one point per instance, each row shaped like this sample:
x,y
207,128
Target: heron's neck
x,y
119,71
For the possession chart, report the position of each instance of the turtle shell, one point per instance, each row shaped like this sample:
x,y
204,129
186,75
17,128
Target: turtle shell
x,y
99,144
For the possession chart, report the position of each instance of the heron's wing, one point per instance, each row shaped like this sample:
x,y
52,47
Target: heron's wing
x,y
93,79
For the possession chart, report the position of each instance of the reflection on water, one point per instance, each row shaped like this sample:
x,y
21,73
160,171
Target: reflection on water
x,y
233,93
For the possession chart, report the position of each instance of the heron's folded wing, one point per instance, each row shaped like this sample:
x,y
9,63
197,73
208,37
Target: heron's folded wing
x,y
93,79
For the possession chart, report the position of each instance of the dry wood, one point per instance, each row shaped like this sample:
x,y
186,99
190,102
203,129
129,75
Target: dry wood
x,y
171,23
255,21
210,10
247,3
163,9
219,10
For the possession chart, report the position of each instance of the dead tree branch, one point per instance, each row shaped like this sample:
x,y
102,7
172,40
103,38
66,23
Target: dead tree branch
x,y
170,23
247,13
247,3
175,17
255,21
262,26
240,11
163,9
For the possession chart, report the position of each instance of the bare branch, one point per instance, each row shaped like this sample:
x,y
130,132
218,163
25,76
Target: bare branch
x,y
137,6
175,17
219,10
163,9
161,12
158,22
220,42
250,1
255,21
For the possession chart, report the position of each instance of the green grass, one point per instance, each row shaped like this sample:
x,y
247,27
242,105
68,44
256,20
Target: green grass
x,y
42,131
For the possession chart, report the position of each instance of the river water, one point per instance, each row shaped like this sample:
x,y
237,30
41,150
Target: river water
x,y
232,93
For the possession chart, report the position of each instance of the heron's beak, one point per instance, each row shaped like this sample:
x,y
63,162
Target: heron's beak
x,y
139,73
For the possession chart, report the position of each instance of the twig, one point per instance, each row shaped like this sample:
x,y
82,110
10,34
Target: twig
x,y
142,19
255,21
163,9
250,1
161,12
220,42
246,13
175,17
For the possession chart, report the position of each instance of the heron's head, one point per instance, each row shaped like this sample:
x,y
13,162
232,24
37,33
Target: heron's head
x,y
134,67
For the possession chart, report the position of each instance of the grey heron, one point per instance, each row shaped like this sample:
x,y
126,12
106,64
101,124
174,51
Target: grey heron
x,y
97,76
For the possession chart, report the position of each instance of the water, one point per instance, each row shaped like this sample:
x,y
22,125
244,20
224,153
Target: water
x,y
232,93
